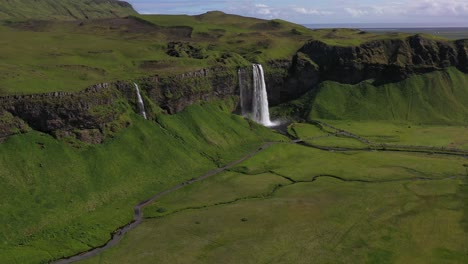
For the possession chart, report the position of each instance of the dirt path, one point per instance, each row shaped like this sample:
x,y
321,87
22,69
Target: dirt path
x,y
138,210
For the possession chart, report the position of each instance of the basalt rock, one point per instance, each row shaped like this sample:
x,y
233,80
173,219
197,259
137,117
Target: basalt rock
x,y
384,61
56,112
174,93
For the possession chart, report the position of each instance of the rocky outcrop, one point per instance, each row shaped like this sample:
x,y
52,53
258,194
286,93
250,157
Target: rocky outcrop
x,y
174,93
64,114
276,72
383,61
387,60
11,125
462,46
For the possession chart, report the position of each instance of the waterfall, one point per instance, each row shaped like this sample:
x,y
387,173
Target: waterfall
x,y
260,114
141,104
242,92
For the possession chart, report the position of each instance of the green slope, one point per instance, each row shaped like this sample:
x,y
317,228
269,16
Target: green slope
x,y
435,98
58,199
63,9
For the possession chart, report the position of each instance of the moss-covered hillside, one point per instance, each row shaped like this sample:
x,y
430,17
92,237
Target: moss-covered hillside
x,y
63,9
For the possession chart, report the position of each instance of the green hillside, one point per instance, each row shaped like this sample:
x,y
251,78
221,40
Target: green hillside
x,y
59,199
63,9
434,98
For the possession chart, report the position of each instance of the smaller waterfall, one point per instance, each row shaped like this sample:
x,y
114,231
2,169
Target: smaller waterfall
x,y
261,113
141,104
241,89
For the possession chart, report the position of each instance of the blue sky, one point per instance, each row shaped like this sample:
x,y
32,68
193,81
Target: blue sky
x,y
431,12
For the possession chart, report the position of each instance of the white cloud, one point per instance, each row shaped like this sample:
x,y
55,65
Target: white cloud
x,y
310,11
264,10
356,12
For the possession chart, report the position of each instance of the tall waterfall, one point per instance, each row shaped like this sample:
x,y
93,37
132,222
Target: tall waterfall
x,y
141,104
260,114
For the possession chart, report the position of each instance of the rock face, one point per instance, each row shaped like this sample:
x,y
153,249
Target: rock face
x,y
388,60
174,93
62,114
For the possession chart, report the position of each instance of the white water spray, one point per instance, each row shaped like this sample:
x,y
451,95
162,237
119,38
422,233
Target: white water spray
x,y
141,104
260,114
241,89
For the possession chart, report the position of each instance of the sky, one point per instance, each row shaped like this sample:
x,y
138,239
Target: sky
x,y
424,12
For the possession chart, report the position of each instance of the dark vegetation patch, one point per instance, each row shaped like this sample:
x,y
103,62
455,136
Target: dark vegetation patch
x,y
185,50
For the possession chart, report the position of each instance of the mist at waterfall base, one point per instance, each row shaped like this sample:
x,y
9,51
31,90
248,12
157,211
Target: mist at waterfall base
x,y
256,108
141,104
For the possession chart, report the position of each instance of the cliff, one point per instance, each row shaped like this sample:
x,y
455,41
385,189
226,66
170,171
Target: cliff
x,y
383,61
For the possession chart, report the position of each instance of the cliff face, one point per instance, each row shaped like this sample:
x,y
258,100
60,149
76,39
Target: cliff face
x,y
63,114
388,60
174,93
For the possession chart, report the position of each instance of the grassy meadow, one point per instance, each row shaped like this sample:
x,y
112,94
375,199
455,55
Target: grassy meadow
x,y
274,209
376,133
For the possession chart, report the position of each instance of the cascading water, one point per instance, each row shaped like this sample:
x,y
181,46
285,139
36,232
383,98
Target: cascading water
x,y
261,113
141,104
241,89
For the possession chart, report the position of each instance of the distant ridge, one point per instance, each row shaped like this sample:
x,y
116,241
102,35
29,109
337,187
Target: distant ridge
x,y
63,9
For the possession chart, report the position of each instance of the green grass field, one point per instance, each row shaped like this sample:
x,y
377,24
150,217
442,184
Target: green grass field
x,y
377,133
269,210
406,133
